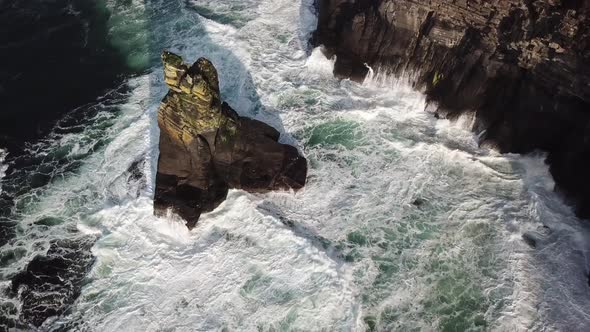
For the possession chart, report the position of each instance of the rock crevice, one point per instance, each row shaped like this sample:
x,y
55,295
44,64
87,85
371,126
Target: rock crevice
x,y
206,148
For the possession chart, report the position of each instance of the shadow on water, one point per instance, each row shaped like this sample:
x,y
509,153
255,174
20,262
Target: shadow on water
x,y
54,56
55,62
70,53
558,248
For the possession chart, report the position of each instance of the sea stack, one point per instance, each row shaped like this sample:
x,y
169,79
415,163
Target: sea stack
x,y
206,148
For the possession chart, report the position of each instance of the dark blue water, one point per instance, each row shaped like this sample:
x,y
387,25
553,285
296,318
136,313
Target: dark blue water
x,y
55,59
55,56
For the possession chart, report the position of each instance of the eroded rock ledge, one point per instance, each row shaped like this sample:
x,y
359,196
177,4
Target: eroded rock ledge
x,y
523,67
206,148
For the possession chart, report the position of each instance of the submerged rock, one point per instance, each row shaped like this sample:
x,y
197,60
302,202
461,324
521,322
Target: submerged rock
x,y
522,66
52,282
530,239
206,148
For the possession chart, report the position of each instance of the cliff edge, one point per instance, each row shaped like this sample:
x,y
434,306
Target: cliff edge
x,y
523,67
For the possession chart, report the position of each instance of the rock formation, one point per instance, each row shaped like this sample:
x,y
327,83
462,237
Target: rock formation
x,y
522,65
52,282
206,148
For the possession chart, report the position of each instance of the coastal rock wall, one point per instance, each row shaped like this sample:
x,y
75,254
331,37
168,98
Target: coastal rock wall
x,y
522,65
206,148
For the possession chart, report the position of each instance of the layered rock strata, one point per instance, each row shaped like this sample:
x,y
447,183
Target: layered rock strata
x,y
206,148
523,67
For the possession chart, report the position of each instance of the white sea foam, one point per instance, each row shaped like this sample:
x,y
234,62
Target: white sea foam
x,y
318,64
382,78
405,222
3,167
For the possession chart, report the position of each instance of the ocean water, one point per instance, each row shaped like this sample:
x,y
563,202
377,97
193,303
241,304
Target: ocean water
x,y
56,55
405,224
2,167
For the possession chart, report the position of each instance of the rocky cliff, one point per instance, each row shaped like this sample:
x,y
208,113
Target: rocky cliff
x,y
523,67
206,148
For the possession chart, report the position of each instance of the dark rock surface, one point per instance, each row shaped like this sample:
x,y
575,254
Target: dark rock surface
x,y
206,148
51,283
522,65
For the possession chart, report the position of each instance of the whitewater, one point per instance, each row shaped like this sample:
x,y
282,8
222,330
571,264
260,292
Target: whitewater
x,y
405,224
3,167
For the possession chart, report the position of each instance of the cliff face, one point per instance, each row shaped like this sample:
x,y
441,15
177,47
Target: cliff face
x,y
522,65
206,148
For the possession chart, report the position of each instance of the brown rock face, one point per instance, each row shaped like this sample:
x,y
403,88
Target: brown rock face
x,y
206,148
522,65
